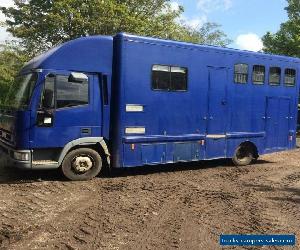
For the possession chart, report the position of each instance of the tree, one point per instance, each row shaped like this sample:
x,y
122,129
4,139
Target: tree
x,y
41,24
12,59
208,33
287,40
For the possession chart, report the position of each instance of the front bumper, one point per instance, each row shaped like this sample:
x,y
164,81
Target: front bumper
x,y
7,153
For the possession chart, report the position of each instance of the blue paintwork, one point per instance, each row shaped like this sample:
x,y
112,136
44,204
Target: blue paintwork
x,y
298,121
89,54
213,104
68,122
177,123
163,138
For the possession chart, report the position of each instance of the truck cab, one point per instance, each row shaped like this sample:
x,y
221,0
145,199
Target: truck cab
x,y
57,111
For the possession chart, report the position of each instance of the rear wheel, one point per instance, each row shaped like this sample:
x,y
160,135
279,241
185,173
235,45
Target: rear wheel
x,y
244,155
82,164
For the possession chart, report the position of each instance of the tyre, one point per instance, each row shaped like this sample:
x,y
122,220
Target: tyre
x,y
244,155
82,164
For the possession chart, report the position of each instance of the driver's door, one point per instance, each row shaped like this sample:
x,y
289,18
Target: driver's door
x,y
65,112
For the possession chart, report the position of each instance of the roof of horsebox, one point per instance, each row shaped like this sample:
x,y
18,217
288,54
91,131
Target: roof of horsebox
x,y
203,47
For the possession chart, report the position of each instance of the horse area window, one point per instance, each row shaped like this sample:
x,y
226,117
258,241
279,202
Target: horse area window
x,y
275,75
241,73
169,78
290,77
258,75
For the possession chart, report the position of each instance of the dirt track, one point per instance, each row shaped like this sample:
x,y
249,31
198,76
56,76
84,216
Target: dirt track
x,y
184,206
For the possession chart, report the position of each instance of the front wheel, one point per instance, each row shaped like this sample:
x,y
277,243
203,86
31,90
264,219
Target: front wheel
x,y
82,164
243,156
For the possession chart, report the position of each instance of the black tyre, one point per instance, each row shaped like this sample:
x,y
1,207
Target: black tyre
x,y
244,155
82,164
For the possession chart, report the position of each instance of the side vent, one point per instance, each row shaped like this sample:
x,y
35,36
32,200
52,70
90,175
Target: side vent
x,y
86,131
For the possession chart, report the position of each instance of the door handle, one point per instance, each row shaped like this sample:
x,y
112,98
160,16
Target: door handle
x,y
211,118
204,118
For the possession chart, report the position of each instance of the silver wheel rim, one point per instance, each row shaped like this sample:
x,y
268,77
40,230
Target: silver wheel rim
x,y
82,163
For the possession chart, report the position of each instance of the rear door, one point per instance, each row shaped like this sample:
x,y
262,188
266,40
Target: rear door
x,y
272,122
277,123
283,124
217,113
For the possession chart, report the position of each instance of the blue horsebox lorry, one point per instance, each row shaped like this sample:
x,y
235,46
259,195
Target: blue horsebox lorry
x,y
128,101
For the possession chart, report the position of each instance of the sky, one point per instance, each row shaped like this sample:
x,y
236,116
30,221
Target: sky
x,y
3,34
244,21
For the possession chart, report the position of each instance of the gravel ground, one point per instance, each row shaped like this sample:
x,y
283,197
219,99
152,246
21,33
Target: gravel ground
x,y
182,206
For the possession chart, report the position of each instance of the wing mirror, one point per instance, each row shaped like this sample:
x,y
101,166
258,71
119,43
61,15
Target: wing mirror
x,y
78,77
45,118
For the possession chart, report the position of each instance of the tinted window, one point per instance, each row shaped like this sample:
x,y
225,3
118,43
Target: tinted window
x,y
160,77
48,93
70,94
169,78
178,78
290,77
105,90
241,73
258,76
275,74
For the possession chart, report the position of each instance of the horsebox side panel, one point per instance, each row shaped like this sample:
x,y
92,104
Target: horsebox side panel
x,y
162,116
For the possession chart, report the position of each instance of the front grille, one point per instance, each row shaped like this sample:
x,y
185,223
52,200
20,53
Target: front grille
x,y
3,149
6,136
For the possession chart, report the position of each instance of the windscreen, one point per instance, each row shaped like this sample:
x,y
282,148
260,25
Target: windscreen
x,y
21,91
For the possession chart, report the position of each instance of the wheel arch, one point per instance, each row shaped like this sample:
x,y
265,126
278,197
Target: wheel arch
x,y
97,143
251,145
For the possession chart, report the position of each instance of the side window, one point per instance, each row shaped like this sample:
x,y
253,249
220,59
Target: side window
x,y
178,78
70,94
241,73
105,89
258,75
169,78
290,77
160,77
47,101
275,75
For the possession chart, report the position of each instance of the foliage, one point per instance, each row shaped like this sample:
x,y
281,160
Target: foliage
x,y
287,40
208,33
41,24
12,59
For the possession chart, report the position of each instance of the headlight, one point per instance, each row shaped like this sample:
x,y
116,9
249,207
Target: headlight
x,y
21,156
